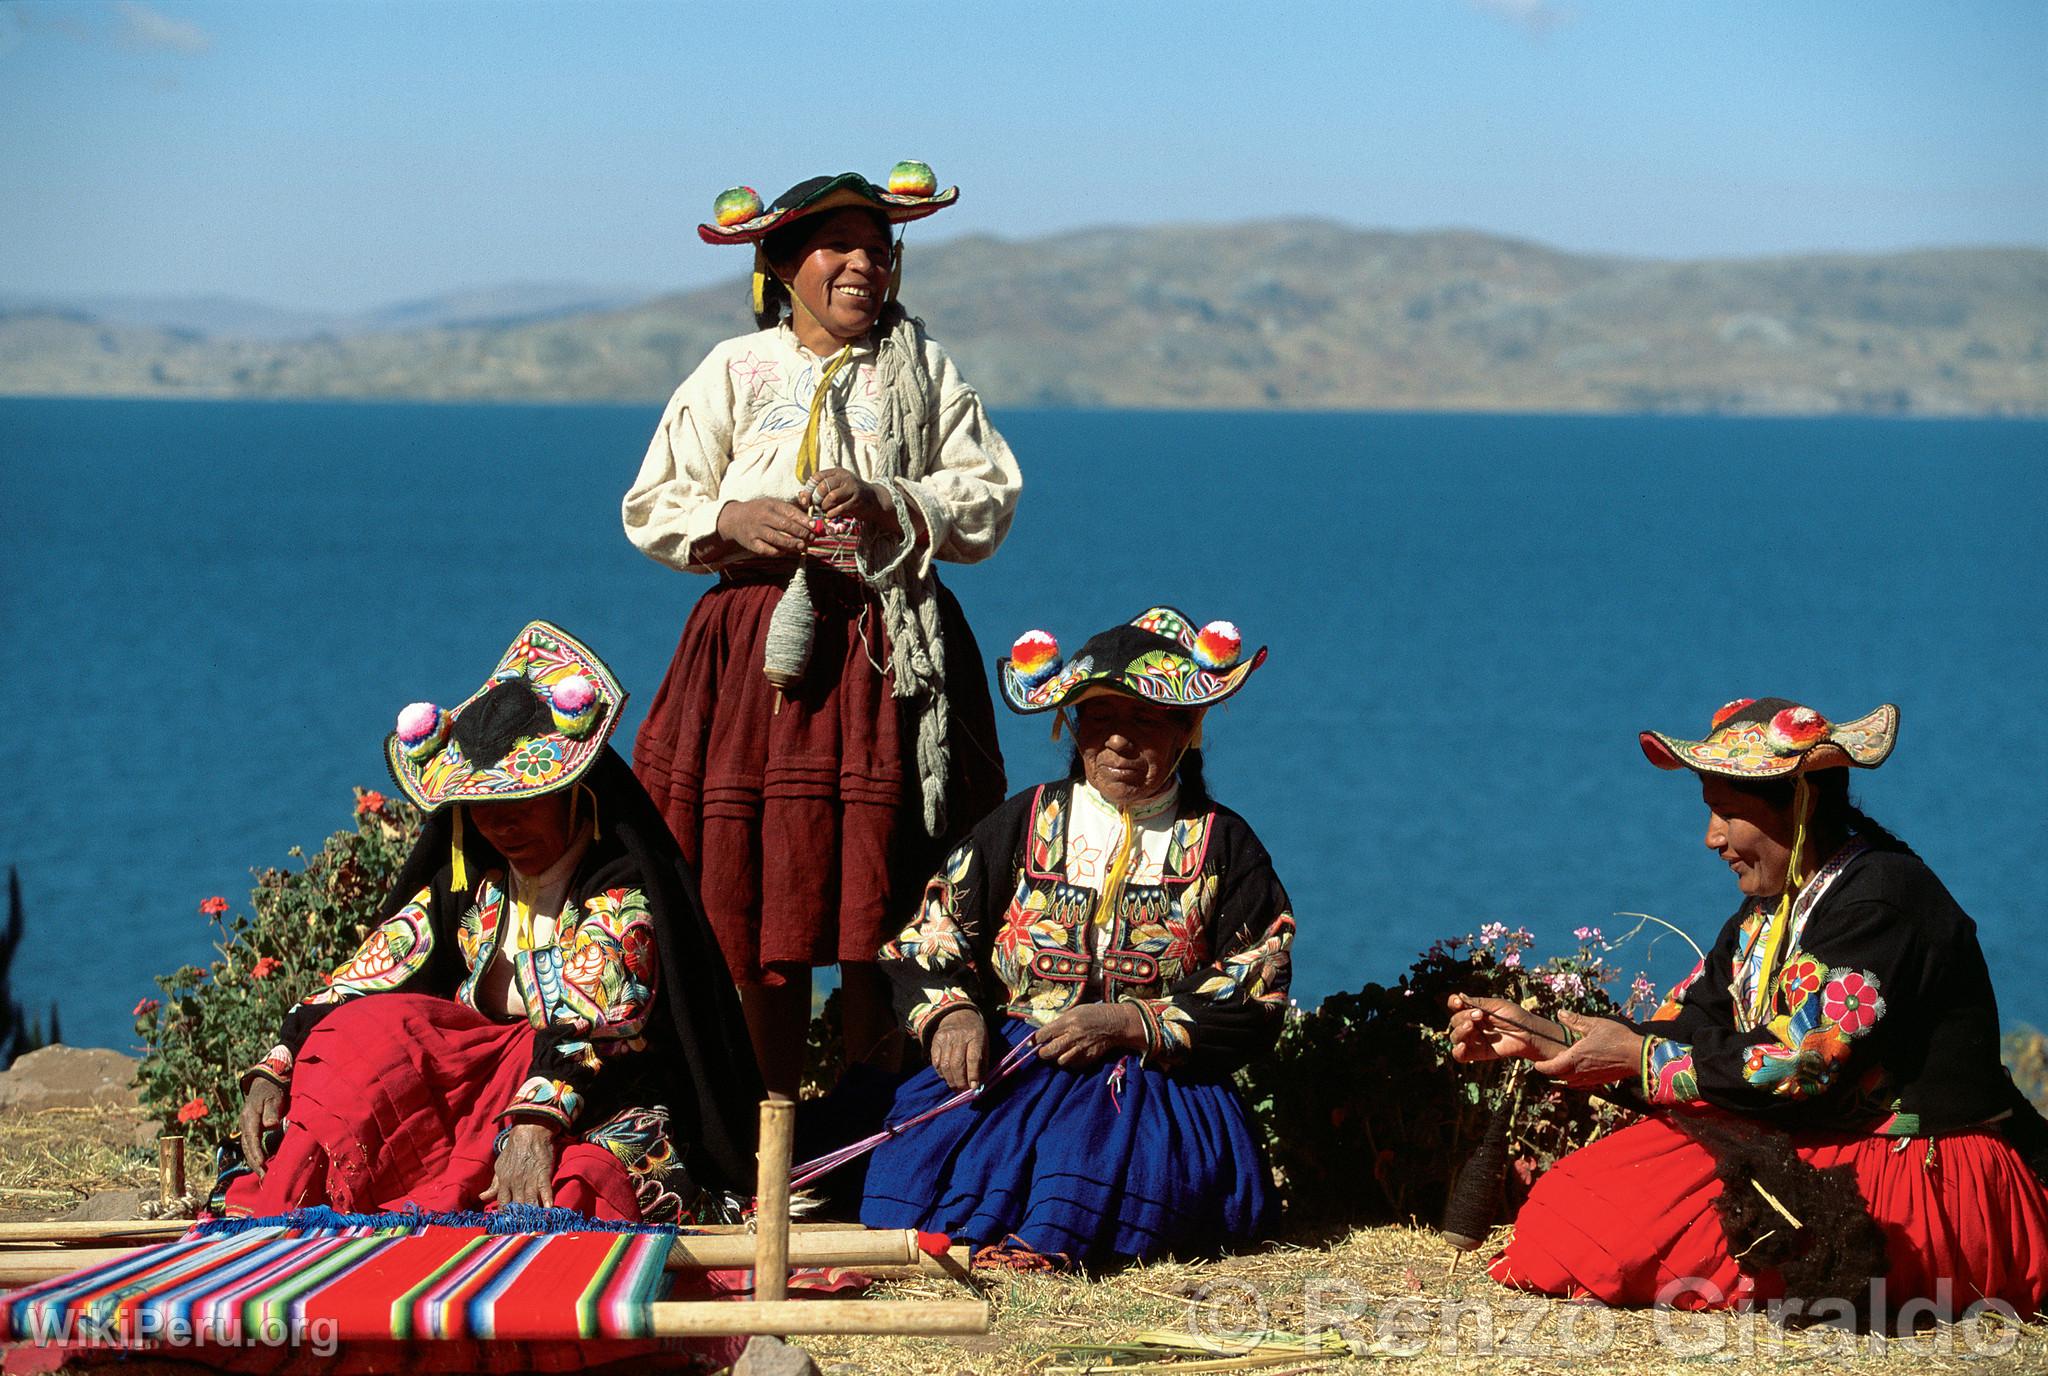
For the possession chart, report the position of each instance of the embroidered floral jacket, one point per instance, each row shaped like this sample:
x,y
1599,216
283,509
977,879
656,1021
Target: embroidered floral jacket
x,y
1202,949
587,989
1876,1014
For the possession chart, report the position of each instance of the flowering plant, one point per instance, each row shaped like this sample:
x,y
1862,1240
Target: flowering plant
x,y
213,1022
1366,1116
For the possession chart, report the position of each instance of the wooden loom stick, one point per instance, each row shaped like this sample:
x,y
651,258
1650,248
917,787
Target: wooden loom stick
x,y
144,1230
170,1170
771,1203
695,1318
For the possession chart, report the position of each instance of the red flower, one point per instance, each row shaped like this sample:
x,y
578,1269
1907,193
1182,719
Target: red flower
x,y
265,967
214,906
369,803
193,1111
144,1007
1852,1003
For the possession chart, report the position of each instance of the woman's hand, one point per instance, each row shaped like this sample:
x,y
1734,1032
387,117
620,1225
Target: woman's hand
x,y
842,492
1605,1052
262,1110
1090,1033
765,525
1491,1029
526,1167
960,1048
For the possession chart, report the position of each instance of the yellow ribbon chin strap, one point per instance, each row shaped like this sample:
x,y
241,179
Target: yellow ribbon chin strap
x,y
807,453
896,269
1780,924
458,871
760,296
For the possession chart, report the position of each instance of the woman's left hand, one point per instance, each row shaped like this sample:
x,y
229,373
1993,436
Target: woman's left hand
x,y
526,1167
841,492
1091,1033
1605,1052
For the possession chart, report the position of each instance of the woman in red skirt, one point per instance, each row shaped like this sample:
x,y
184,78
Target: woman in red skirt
x,y
1829,1120
824,733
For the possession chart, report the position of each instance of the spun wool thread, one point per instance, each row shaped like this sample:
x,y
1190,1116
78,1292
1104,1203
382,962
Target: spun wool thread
x,y
792,632
909,593
1474,1202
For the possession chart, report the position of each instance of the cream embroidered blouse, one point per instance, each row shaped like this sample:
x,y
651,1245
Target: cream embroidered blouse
x,y
732,430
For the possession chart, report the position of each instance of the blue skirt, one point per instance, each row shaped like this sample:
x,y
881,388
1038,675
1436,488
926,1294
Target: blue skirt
x,y
1068,1163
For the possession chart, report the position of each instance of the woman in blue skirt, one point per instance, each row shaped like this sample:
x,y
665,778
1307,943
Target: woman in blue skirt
x,y
1135,933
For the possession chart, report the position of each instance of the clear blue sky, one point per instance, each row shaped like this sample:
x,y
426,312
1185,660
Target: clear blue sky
x,y
344,154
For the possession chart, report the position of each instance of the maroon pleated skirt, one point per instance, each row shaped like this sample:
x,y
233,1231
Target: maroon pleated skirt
x,y
1630,1220
804,818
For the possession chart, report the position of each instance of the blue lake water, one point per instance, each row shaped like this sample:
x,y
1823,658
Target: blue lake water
x,y
213,611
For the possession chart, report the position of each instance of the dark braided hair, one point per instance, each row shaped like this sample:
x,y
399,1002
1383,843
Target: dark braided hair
x,y
1832,806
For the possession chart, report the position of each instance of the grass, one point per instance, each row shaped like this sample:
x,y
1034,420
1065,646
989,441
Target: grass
x,y
1392,1293
1394,1296
52,1159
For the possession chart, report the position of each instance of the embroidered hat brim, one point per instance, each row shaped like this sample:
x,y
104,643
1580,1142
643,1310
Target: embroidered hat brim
x,y
542,655
821,195
1743,748
1151,658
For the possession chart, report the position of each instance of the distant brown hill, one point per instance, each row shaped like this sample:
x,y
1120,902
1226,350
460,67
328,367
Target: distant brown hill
x,y
1294,315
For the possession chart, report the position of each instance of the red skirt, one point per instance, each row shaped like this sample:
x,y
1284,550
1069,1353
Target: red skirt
x,y
394,1103
1630,1220
805,822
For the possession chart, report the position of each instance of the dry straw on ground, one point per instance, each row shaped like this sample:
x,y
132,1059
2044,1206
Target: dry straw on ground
x,y
1390,1291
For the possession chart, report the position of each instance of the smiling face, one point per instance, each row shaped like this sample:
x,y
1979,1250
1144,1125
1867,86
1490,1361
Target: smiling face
x,y
1752,835
531,833
1130,749
839,278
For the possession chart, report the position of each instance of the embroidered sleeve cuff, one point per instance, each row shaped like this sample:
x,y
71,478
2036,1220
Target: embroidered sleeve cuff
x,y
546,1101
1168,1031
1668,1077
275,1067
938,1002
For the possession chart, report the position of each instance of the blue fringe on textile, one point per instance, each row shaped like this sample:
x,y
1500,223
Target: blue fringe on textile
x,y
510,1218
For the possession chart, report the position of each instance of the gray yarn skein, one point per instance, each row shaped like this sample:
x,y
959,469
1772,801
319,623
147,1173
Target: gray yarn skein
x,y
909,595
792,631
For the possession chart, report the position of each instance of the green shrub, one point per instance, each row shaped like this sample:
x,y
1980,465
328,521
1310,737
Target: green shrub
x,y
212,1023
1367,1118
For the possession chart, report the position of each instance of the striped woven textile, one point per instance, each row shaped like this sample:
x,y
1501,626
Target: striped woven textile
x,y
358,1284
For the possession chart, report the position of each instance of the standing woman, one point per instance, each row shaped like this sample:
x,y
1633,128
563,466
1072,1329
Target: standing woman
x,y
824,733
1840,1042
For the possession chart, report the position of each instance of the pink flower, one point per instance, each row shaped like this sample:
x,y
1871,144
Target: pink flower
x,y
1513,960
369,803
1852,1003
1591,934
194,1110
144,1007
1642,991
214,907
265,967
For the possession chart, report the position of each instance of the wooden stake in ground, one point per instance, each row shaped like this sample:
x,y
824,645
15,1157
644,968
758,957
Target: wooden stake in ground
x,y
771,1202
170,1170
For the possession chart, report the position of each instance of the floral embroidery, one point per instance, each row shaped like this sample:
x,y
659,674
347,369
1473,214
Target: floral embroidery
x,y
1852,1003
535,761
1801,978
388,957
1813,1038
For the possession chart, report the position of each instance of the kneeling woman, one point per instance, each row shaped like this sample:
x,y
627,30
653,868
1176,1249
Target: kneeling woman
x,y
541,1016
1135,932
1845,1019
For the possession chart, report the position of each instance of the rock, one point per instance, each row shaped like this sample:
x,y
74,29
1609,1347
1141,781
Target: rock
x,y
117,1205
774,1357
70,1077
